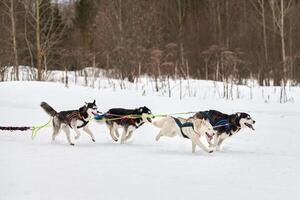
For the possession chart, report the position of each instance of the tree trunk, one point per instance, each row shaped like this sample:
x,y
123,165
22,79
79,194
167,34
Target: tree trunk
x,y
14,38
264,30
283,95
38,42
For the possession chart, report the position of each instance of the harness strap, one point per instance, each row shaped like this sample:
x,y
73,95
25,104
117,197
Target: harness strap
x,y
84,123
14,128
182,125
76,115
218,124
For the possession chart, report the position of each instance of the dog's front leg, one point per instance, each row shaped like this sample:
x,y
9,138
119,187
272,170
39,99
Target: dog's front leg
x,y
130,132
219,144
74,126
67,131
197,137
89,132
77,132
215,141
123,137
129,135
200,144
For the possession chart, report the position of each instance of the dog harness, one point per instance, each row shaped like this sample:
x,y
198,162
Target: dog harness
x,y
221,123
123,119
183,125
76,115
99,117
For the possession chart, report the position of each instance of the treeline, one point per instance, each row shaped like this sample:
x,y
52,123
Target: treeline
x,y
224,40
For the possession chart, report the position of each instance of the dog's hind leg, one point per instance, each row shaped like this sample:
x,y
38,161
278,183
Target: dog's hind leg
x,y
89,132
56,128
55,133
193,146
158,136
67,131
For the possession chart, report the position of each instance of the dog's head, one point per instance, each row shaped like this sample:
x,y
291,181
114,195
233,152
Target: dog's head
x,y
207,128
146,114
244,120
91,108
203,126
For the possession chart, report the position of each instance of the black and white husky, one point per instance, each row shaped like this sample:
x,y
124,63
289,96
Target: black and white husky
x,y
128,119
225,125
74,119
192,128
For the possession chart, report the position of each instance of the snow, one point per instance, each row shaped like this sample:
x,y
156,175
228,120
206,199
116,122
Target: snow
x,y
261,164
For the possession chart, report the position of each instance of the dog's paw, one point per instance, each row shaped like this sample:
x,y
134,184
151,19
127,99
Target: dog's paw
x,y
93,140
72,144
211,151
76,137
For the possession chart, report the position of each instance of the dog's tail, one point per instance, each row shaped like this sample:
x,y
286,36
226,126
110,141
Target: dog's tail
x,y
161,122
48,109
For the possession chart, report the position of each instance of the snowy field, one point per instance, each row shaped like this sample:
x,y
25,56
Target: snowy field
x,y
262,164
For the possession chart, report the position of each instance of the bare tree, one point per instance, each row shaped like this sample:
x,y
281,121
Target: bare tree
x,y
280,9
10,11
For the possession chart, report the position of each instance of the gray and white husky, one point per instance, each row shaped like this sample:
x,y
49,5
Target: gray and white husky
x,y
74,119
192,128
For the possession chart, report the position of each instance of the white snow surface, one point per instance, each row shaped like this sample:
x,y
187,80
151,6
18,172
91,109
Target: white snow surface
x,y
262,164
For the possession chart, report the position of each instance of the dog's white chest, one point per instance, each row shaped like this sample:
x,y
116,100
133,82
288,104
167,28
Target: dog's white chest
x,y
224,136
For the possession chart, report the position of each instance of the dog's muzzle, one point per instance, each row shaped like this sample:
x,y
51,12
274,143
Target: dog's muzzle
x,y
210,137
250,125
95,113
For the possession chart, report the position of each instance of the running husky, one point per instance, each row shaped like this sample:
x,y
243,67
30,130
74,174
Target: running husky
x,y
192,128
74,119
128,119
225,125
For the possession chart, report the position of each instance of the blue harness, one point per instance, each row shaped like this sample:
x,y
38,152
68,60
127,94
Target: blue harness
x,y
183,125
220,123
99,117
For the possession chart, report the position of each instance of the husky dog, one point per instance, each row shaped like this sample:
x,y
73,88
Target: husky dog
x,y
225,125
74,119
192,128
128,119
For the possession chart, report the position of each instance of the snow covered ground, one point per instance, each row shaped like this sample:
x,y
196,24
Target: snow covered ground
x,y
264,164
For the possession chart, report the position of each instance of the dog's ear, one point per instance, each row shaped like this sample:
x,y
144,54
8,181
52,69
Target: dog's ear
x,y
85,103
238,114
82,109
200,115
141,110
94,102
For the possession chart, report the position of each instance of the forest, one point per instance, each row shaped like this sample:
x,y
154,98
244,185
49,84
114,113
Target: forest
x,y
221,40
